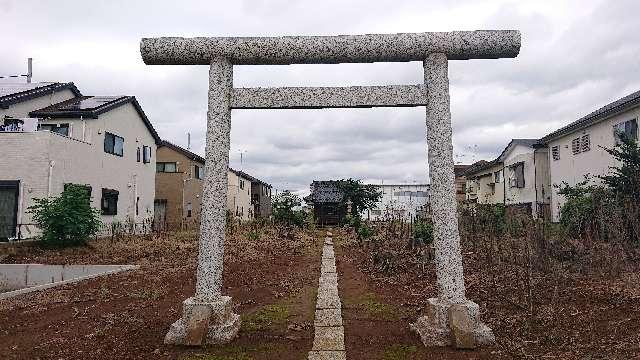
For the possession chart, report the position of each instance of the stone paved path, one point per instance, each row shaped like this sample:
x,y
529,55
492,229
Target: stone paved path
x,y
328,343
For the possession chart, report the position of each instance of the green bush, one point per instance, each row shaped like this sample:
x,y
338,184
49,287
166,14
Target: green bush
x,y
285,212
423,231
364,231
67,220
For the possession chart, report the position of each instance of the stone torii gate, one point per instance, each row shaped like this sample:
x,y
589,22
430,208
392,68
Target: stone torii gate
x,y
450,318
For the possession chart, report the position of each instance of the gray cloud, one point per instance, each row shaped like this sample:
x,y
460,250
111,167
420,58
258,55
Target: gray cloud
x,y
576,56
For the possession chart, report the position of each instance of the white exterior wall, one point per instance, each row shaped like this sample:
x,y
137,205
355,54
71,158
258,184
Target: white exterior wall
x,y
573,168
527,194
480,188
239,199
28,156
402,206
22,109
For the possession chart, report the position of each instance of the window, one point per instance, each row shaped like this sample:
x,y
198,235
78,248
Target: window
x,y
517,175
241,184
146,154
166,167
138,154
555,152
113,144
62,129
109,203
585,143
197,172
575,146
137,208
497,177
627,129
189,209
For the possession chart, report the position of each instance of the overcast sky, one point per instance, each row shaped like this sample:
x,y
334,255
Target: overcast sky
x,y
576,56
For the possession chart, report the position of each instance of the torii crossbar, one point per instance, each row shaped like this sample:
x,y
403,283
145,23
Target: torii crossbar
x,y
450,318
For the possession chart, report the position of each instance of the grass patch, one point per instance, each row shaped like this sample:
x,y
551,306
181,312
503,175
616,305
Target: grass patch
x,y
235,352
399,352
375,308
265,317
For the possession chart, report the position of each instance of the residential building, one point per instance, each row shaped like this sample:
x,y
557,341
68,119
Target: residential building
x,y
577,150
401,202
260,196
460,181
326,199
179,180
518,178
53,136
239,195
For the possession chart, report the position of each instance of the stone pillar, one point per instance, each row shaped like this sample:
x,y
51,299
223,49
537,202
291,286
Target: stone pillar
x,y
450,318
207,317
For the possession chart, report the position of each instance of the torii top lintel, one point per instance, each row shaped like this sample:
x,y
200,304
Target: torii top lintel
x,y
457,45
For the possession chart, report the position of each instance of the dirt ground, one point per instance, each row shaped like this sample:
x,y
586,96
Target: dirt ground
x,y
273,282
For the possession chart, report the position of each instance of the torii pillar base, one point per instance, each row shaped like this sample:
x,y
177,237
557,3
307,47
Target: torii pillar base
x,y
458,325
204,323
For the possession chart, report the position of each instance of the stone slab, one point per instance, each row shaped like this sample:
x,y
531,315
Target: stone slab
x,y
327,355
328,338
328,253
328,299
328,279
328,266
328,317
198,326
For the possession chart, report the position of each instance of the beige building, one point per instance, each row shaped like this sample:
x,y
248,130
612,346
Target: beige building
x,y
52,136
179,184
518,178
239,195
179,179
576,150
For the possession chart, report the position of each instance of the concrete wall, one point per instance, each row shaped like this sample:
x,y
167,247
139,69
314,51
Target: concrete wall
x,y
29,156
573,168
22,109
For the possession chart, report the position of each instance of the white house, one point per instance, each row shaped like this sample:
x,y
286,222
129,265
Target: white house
x,y
518,178
54,136
576,150
239,195
400,201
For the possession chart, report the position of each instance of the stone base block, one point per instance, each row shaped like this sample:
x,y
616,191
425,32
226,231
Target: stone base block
x,y
453,324
328,338
204,323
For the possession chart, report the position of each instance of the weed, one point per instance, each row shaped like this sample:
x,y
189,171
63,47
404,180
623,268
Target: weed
x,y
265,317
399,352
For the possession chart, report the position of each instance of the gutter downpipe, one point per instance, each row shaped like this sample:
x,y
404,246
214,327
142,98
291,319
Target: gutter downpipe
x,y
51,165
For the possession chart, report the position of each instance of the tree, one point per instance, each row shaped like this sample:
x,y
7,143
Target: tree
x,y
361,196
625,179
67,220
284,209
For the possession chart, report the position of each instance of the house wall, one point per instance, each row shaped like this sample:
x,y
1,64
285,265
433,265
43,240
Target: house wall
x,y
513,194
28,155
179,189
573,168
263,194
22,109
480,188
239,200
400,205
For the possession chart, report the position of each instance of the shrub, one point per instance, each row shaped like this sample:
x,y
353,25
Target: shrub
x,y
285,212
364,231
67,220
423,231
